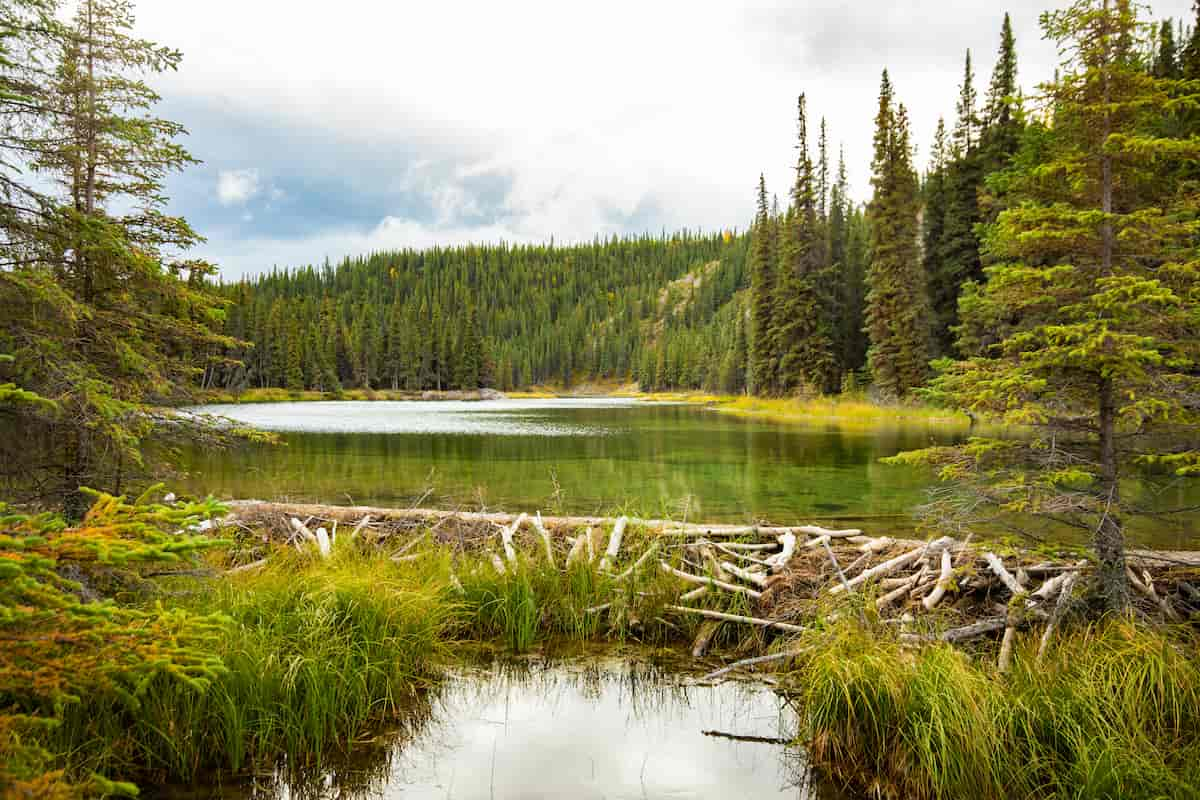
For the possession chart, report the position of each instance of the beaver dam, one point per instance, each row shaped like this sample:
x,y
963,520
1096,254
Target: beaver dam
x,y
771,580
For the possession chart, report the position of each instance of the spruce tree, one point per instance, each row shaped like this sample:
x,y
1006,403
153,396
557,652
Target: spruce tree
x,y
943,293
802,336
763,360
897,305
1085,331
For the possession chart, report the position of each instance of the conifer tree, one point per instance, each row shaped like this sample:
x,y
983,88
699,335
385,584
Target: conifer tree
x,y
802,337
1086,328
943,293
763,359
99,314
1166,60
897,305
1003,118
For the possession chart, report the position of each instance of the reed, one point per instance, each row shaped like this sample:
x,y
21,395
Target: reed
x,y
315,654
1114,712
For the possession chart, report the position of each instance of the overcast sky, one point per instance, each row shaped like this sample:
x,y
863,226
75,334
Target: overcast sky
x,y
333,129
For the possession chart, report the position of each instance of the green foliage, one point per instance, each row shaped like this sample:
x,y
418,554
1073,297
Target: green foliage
x,y
61,651
1111,713
897,303
1086,327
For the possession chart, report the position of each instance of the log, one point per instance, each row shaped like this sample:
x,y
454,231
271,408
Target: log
x,y
614,543
253,565
877,545
694,594
780,559
687,576
642,559
749,546
973,630
577,549
762,623
1147,588
1064,595
816,530
498,564
836,567
885,568
303,530
324,546
506,536
704,637
749,662
900,591
362,523
1006,644
997,567
744,574
817,542
740,555
939,590
541,531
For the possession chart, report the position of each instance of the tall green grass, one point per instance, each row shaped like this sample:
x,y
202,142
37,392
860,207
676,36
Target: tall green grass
x,y
316,654
1113,712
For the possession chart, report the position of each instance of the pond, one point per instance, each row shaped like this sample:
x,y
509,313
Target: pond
x,y
580,729
593,456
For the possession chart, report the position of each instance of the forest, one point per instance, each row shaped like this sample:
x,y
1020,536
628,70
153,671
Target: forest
x,y
1039,273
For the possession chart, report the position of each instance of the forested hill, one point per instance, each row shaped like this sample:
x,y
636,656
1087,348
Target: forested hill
x,y
496,315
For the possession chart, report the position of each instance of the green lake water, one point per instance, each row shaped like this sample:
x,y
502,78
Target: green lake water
x,y
592,456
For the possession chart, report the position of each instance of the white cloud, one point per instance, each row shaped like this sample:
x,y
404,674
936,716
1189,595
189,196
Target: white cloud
x,y
591,111
237,186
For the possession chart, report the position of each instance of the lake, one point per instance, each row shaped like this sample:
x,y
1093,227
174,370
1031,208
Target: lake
x,y
589,728
592,456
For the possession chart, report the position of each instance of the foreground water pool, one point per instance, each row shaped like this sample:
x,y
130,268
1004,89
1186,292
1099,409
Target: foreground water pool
x,y
593,456
576,729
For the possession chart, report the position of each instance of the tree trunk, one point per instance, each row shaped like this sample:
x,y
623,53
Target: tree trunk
x,y
1109,540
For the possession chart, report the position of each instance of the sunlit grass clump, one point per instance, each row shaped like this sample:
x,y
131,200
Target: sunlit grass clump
x,y
1112,712
315,654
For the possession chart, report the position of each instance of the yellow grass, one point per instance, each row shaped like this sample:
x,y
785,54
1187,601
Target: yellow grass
x,y
846,411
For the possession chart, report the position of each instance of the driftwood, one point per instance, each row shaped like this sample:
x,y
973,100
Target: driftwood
x,y
541,530
762,623
506,536
651,551
705,581
883,569
939,591
744,574
614,543
748,662
253,565
1064,595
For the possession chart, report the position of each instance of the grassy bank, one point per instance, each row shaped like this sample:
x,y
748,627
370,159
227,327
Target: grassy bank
x,y
847,411
1112,712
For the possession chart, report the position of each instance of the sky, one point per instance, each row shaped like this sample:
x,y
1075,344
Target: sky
x,y
328,130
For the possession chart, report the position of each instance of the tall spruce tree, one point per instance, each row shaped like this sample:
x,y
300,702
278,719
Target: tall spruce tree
x,y
763,359
802,337
101,313
897,304
943,293
1166,60
958,255
1086,330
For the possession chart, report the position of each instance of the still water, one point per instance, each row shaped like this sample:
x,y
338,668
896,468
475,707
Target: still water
x,y
575,729
593,456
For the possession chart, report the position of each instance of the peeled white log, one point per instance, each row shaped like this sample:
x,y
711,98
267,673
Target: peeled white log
x,y
591,545
1006,644
816,530
324,546
599,608
730,551
694,594
744,574
303,530
885,568
614,543
894,595
762,623
1064,595
780,559
749,662
498,564
577,549
749,546
943,582
362,523
642,559
253,565
817,542
687,576
997,567
506,535
1147,588
877,545
541,530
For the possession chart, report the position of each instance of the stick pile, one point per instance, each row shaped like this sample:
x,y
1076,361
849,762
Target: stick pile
x,y
784,575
